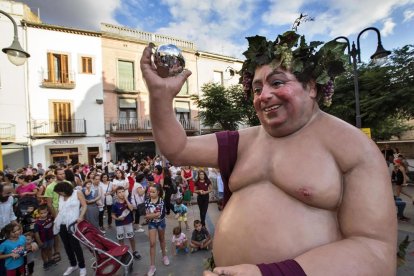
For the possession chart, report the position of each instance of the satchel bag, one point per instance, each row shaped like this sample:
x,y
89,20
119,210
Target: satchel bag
x,y
108,198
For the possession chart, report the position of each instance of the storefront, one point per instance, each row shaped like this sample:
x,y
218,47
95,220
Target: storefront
x,y
68,151
138,150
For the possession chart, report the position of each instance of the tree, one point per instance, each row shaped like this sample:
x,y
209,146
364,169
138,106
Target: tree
x,y
226,108
386,95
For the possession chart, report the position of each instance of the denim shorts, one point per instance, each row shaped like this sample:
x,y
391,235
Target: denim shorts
x,y
157,225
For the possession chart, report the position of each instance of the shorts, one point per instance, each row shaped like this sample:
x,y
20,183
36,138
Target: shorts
x,y
182,217
157,225
20,271
48,244
124,231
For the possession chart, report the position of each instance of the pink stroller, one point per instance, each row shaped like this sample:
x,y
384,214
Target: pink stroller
x,y
109,255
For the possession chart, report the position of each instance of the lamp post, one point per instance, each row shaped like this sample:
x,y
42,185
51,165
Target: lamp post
x,y
15,52
355,53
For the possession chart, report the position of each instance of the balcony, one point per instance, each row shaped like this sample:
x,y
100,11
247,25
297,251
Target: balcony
x,y
53,128
59,79
132,125
7,132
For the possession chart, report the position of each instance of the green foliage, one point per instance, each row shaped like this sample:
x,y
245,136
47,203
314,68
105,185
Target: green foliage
x,y
225,108
386,95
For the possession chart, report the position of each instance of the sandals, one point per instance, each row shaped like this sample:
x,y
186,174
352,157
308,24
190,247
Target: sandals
x,y
56,257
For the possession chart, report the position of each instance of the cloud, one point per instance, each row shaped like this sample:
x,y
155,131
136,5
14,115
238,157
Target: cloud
x,y
85,14
212,25
408,15
335,17
388,27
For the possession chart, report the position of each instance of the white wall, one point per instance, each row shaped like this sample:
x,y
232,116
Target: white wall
x,y
12,77
88,87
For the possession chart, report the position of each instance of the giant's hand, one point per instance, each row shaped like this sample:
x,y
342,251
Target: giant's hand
x,y
236,270
157,86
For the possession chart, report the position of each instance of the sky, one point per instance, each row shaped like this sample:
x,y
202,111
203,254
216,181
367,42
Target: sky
x,y
220,26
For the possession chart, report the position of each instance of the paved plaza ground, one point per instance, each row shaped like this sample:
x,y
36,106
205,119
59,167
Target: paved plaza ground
x,y
192,264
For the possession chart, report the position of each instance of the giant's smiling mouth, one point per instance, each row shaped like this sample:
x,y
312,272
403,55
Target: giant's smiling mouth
x,y
272,108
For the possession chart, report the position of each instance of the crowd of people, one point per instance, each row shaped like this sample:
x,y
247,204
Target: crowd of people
x,y
39,206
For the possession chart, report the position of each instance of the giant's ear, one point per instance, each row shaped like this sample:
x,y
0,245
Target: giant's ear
x,y
312,89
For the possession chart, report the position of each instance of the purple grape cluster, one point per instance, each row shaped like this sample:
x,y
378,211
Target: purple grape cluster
x,y
328,91
247,83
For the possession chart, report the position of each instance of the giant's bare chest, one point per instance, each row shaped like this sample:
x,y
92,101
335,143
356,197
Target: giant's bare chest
x,y
305,171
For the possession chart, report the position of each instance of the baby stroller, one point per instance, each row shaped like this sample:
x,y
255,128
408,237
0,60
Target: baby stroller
x,y
25,207
109,255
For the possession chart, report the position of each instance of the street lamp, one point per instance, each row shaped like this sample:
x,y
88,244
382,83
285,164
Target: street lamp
x,y
15,52
355,52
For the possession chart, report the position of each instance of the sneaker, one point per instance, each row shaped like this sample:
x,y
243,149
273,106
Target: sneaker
x,y
102,230
140,230
69,270
46,266
165,260
151,271
404,218
136,255
82,271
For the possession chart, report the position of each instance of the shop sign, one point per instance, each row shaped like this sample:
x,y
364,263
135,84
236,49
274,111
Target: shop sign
x,y
64,142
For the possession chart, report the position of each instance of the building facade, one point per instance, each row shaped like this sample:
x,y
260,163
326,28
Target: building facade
x,y
126,100
65,94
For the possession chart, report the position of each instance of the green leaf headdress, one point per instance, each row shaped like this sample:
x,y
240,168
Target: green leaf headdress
x,y
290,52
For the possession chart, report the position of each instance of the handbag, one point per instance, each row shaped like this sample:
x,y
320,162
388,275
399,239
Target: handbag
x,y
142,211
108,198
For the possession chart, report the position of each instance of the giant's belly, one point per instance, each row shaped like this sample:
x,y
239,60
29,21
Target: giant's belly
x,y
262,224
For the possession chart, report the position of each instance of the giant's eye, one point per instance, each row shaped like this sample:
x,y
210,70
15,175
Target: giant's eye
x,y
257,90
277,83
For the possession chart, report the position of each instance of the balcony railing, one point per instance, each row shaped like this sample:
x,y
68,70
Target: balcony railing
x,y
42,128
124,125
146,36
7,132
59,79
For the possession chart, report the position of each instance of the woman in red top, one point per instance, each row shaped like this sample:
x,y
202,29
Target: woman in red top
x,y
187,174
203,189
158,175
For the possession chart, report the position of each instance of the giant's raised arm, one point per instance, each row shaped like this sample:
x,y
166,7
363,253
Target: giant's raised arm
x,y
168,132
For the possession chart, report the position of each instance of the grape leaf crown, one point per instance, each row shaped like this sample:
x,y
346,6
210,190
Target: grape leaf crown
x,y
290,52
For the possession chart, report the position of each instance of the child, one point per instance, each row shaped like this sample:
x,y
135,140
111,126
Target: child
x,y
13,249
87,190
156,224
200,238
44,236
122,214
181,211
178,241
31,247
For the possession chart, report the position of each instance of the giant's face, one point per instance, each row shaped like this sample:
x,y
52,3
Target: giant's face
x,y
281,102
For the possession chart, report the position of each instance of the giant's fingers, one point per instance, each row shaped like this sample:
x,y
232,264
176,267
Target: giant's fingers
x,y
146,63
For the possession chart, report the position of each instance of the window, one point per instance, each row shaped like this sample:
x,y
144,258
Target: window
x,y
218,77
184,89
182,113
58,69
86,65
127,113
62,117
126,75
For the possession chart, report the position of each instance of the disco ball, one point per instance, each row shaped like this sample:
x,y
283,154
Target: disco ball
x,y
169,60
